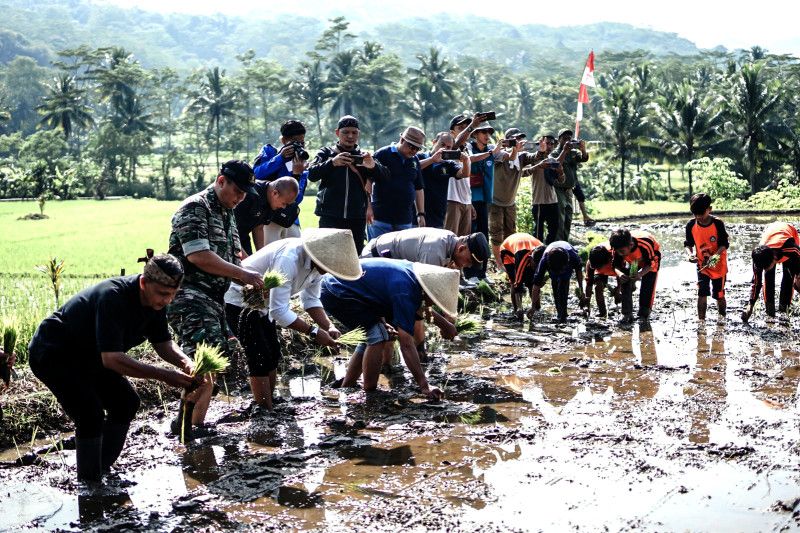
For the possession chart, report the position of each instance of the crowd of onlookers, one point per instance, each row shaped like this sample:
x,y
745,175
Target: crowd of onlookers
x,y
464,180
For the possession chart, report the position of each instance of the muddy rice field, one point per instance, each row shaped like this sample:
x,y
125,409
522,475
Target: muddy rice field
x,y
673,426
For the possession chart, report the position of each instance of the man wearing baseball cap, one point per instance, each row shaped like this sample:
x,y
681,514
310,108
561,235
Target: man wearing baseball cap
x,y
398,202
205,240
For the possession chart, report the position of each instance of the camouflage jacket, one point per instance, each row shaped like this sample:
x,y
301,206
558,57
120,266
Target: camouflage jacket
x,y
202,223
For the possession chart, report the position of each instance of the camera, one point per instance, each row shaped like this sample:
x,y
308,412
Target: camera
x,y
508,143
299,150
451,155
357,157
487,115
575,142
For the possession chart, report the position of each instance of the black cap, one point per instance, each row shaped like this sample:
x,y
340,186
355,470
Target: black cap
x,y
699,203
290,128
347,121
458,119
513,133
478,247
241,174
566,131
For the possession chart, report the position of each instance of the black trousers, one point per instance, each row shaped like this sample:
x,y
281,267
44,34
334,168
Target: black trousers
x,y
258,336
356,225
785,297
91,396
647,294
560,296
545,214
480,224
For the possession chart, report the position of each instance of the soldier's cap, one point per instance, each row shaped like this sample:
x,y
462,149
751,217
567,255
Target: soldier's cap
x,y
513,133
241,174
478,247
566,132
458,119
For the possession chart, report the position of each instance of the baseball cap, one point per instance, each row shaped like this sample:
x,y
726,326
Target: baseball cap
x,y
565,132
478,247
241,174
512,132
458,119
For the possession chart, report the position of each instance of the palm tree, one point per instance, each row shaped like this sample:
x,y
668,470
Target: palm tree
x,y
622,121
215,101
310,87
342,83
688,125
435,78
63,106
752,110
133,121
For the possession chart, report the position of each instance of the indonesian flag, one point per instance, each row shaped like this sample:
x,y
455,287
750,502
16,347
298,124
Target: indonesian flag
x,y
583,93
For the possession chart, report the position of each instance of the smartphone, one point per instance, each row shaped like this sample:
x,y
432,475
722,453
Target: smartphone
x,y
508,143
488,115
358,159
451,155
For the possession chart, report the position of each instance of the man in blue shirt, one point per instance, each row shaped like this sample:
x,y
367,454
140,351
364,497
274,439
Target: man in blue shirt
x,y
290,160
394,199
559,260
386,302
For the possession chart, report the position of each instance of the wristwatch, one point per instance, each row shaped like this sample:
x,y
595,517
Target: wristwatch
x,y
420,215
313,331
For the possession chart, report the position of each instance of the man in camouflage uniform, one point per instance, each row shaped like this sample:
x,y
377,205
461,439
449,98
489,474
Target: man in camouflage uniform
x,y
576,154
205,239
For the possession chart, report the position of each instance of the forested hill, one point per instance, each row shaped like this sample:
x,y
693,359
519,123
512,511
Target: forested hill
x,y
40,28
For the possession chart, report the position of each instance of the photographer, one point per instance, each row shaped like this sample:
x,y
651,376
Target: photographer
x,y
575,153
507,175
396,199
545,172
482,155
344,171
436,175
290,160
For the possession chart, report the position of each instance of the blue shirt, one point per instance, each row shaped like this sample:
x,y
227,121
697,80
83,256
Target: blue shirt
x,y
388,285
270,165
544,265
393,198
485,168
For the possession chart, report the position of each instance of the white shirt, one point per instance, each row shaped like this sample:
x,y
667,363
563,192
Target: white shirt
x,y
458,190
288,257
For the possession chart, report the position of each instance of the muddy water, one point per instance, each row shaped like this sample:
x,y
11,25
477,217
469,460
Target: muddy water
x,y
677,426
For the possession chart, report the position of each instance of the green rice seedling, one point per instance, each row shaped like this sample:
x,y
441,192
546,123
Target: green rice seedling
x,y
353,338
9,343
54,270
485,290
468,325
208,360
634,268
272,279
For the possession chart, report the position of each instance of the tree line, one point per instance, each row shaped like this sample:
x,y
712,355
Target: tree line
x,y
96,122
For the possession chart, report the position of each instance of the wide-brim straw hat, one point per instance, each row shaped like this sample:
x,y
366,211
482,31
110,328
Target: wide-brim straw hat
x,y
440,284
334,251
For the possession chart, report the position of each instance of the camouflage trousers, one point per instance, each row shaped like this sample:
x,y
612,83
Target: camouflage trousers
x,y
196,318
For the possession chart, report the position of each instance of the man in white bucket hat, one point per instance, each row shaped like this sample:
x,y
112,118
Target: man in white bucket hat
x,y
302,262
386,301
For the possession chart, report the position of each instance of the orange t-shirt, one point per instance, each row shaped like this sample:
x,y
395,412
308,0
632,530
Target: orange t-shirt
x,y
646,252
517,242
605,270
776,234
706,240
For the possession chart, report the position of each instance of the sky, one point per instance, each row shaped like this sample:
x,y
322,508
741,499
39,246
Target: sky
x,y
771,25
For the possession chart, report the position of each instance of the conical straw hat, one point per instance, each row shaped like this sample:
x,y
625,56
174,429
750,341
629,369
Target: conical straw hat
x,y
334,250
440,284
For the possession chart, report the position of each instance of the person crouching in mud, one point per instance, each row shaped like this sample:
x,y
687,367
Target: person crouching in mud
x,y
386,301
79,353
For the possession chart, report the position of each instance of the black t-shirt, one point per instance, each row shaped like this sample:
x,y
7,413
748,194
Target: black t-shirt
x,y
251,212
108,317
437,178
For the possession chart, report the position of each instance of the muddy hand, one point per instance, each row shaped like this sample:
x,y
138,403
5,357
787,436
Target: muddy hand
x,y
434,393
176,378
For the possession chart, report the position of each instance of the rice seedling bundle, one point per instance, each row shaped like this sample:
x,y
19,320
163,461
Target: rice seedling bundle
x,y
353,338
208,360
467,325
634,268
257,298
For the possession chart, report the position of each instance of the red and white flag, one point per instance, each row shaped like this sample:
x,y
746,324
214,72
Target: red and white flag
x,y
583,93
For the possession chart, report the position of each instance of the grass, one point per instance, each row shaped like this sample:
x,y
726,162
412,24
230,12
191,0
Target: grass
x,y
606,209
